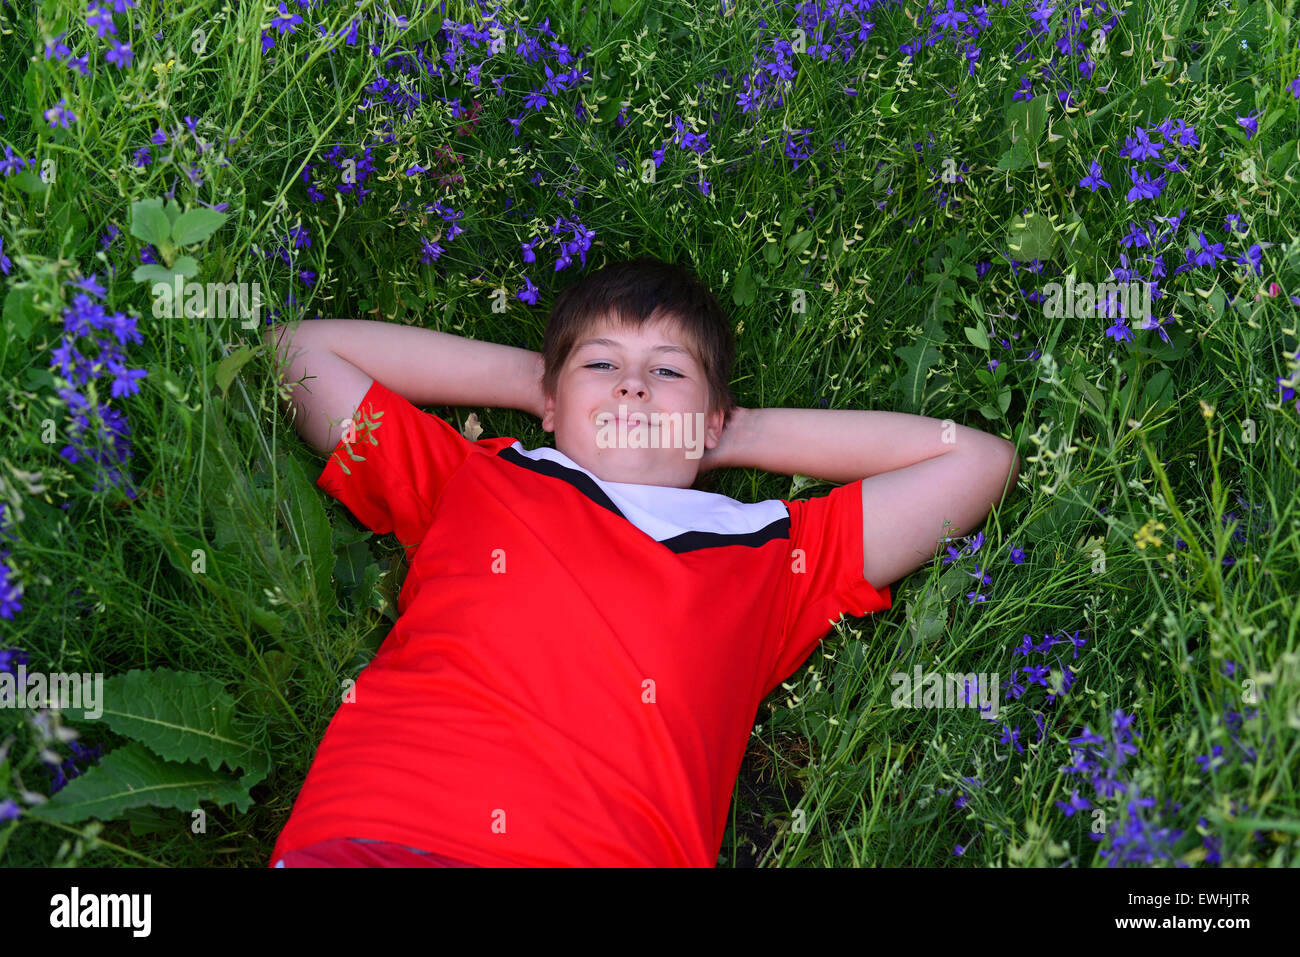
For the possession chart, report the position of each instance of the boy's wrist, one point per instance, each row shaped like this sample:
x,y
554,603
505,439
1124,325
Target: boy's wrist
x,y
730,451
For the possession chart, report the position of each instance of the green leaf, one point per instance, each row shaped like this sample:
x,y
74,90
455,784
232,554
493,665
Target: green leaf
x,y
229,367
172,210
1026,120
1282,157
1032,237
746,290
131,777
152,273
920,357
195,225
150,223
179,715
306,512
977,336
19,315
29,182
1018,157
799,241
1089,392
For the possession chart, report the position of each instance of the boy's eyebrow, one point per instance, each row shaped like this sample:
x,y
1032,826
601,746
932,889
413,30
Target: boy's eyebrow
x,y
611,342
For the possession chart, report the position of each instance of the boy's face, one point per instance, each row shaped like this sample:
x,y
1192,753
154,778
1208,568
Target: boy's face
x,y
644,371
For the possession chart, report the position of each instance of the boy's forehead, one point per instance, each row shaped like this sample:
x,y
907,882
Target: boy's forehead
x,y
666,328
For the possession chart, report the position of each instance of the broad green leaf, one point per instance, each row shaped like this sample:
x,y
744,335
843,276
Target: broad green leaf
x,y
1032,237
1089,392
977,336
152,273
920,357
131,777
799,241
1018,157
185,266
19,315
746,290
179,715
149,222
195,225
229,367
799,482
28,182
306,512
1026,121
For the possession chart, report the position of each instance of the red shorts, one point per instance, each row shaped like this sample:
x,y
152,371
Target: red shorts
x,y
360,852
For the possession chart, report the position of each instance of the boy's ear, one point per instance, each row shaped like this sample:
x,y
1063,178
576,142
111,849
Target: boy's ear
x,y
548,414
713,426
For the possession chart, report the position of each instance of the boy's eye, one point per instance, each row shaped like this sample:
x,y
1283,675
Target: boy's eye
x,y
592,365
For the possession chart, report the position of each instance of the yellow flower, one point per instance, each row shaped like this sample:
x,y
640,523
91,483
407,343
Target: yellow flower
x,y
1144,537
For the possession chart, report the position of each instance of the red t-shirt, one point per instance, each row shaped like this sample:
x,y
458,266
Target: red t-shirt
x,y
576,666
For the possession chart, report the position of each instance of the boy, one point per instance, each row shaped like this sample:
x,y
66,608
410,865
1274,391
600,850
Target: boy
x,y
583,639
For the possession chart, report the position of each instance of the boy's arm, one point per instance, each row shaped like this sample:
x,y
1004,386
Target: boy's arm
x,y
916,473
341,357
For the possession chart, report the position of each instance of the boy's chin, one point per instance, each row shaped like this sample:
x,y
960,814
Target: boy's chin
x,y
639,472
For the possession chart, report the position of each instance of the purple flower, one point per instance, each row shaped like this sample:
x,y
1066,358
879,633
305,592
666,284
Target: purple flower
x,y
90,284
119,54
1093,180
12,162
1186,135
429,250
286,21
949,20
11,658
57,48
529,293
102,20
1143,186
1250,124
1075,803
1010,737
1141,147
60,116
1209,253
1252,258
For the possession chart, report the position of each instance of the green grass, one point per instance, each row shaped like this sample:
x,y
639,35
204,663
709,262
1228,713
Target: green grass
x,y
1111,434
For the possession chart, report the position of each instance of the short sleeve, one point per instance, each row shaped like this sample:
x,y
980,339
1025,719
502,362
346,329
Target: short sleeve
x,y
825,574
393,474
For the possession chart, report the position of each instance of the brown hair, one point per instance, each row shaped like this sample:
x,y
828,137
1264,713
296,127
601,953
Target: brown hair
x,y
633,292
